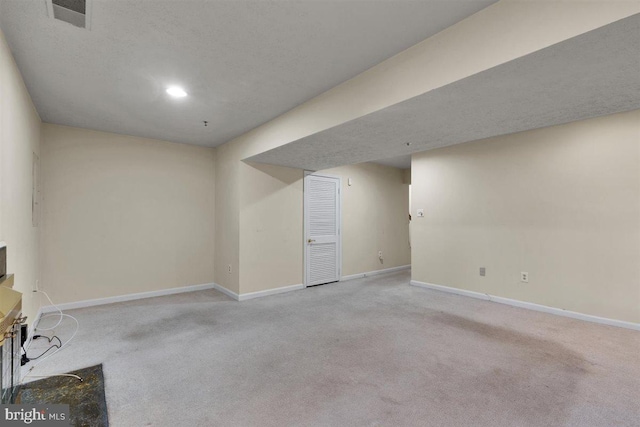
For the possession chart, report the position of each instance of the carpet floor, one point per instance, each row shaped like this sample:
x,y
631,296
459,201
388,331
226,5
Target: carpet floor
x,y
366,352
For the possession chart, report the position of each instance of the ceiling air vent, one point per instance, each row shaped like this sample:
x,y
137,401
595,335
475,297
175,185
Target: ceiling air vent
x,y
72,11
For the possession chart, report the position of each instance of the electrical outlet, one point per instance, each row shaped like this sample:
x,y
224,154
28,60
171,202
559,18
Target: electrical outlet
x,y
420,213
229,268
379,254
483,271
524,277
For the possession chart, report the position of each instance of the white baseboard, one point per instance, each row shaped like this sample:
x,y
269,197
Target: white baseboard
x,y
128,297
375,273
258,294
141,295
529,306
275,291
226,291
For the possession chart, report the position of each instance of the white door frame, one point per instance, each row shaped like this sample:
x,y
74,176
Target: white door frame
x,y
305,216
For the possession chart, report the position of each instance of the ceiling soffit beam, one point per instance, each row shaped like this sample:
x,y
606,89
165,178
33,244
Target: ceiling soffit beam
x,y
496,35
587,76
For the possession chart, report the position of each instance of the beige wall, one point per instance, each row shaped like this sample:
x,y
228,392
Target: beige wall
x,y
375,217
257,210
227,228
258,222
19,140
406,176
271,225
561,203
124,214
500,33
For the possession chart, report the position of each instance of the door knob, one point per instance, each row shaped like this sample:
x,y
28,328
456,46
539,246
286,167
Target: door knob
x,y
310,240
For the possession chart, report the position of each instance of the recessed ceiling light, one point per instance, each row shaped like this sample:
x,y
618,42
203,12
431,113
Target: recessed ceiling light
x,y
176,91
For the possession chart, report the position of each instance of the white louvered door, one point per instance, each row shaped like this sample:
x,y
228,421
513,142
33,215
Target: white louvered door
x,y
322,229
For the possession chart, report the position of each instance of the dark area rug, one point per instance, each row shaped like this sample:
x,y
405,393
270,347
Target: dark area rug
x,y
86,399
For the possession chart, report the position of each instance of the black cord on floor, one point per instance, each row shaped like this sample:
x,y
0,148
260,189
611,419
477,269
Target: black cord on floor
x,y
50,339
43,353
25,359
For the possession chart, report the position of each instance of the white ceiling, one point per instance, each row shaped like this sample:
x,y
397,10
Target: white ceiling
x,y
594,74
242,62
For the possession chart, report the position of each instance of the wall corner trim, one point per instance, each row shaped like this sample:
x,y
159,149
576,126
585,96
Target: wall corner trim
x,y
274,291
375,273
226,291
258,294
529,305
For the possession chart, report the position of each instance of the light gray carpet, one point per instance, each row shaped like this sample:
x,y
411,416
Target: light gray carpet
x,y
366,352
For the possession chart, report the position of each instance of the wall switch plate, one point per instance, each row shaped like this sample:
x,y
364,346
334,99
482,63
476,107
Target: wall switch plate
x,y
420,213
524,277
229,268
379,254
483,271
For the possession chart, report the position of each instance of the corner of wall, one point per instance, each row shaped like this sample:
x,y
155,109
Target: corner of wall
x,y
20,136
227,211
270,226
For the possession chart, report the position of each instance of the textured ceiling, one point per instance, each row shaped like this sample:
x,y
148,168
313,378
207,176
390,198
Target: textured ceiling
x,y
594,74
242,62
